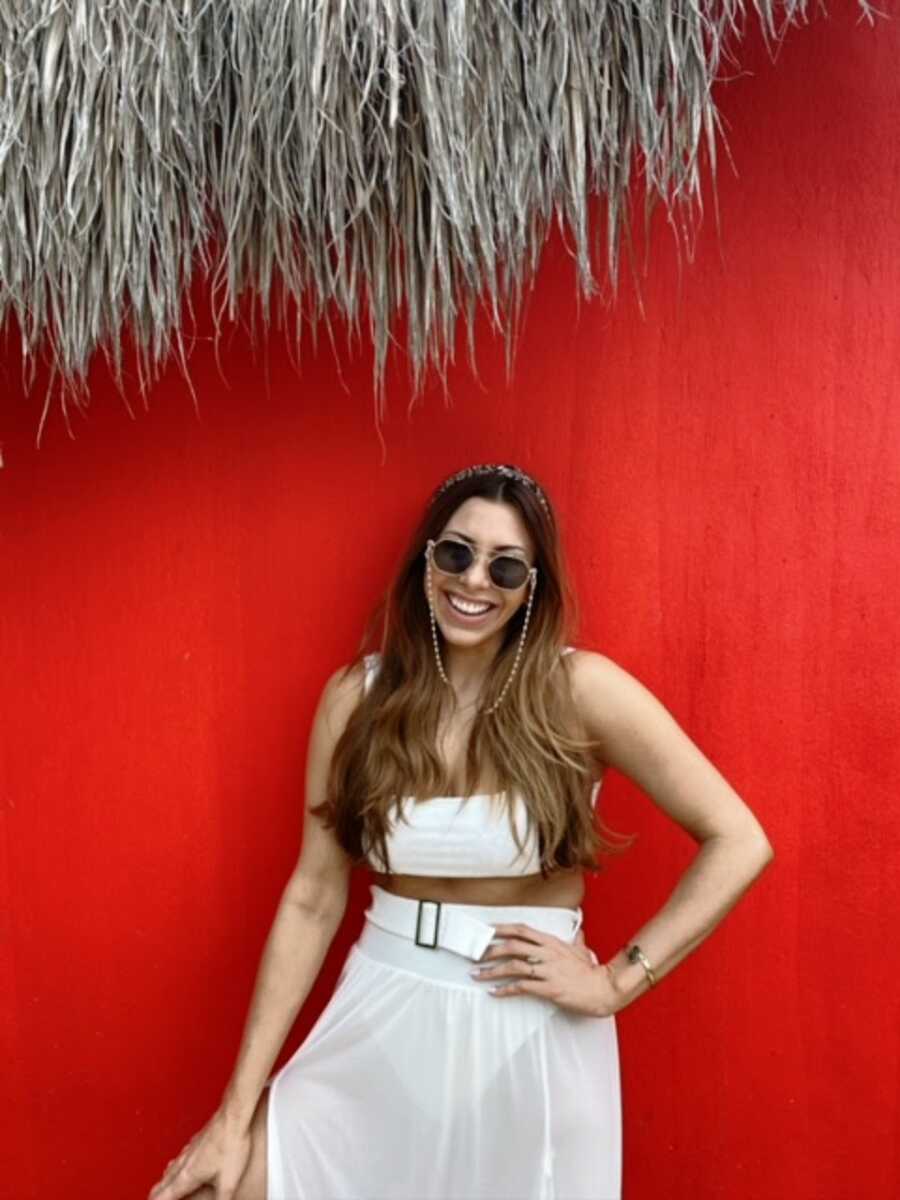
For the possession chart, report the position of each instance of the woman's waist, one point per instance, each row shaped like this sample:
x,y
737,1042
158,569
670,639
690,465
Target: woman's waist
x,y
561,889
444,940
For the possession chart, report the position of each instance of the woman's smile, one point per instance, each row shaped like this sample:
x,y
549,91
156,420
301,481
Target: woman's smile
x,y
466,611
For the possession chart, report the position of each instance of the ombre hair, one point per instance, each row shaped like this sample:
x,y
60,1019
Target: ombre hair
x,y
533,744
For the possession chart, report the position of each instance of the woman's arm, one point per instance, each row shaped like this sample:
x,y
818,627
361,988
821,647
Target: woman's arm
x,y
311,908
292,958
638,736
309,914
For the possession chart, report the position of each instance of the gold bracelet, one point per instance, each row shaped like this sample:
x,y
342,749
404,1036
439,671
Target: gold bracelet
x,y
636,954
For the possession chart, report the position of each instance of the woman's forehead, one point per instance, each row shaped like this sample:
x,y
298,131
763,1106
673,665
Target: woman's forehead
x,y
490,524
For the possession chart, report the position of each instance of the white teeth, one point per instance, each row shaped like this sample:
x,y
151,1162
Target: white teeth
x,y
472,610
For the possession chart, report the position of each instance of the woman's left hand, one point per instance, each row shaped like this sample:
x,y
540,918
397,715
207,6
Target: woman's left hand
x,y
565,972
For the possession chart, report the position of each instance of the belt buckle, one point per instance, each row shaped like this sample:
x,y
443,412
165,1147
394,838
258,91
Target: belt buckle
x,y
437,922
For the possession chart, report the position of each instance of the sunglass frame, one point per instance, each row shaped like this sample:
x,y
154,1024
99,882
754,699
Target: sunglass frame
x,y
434,543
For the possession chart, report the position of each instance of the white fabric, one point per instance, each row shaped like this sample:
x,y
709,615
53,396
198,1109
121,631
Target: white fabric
x,y
416,1084
450,835
452,926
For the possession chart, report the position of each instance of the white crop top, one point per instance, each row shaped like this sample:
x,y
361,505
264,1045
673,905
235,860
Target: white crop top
x,y
452,836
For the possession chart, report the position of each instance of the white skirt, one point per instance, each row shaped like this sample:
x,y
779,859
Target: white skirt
x,y
416,1083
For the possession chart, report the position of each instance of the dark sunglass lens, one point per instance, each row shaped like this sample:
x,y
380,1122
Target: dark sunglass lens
x,y
509,572
450,556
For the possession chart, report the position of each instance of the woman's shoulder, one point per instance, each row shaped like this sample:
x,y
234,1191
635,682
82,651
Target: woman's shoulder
x,y
581,660
347,683
581,654
595,679
615,706
591,668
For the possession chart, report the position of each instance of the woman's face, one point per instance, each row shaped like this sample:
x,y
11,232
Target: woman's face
x,y
490,527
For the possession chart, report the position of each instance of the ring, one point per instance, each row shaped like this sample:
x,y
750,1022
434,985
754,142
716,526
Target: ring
x,y
532,958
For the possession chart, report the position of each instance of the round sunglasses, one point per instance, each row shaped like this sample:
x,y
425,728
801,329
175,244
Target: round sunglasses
x,y
454,558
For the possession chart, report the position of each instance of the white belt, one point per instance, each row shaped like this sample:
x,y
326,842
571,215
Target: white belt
x,y
436,923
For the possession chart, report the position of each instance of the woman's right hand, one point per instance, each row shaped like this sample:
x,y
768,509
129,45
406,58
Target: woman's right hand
x,y
217,1155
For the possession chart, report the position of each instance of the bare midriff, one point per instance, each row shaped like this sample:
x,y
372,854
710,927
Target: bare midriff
x,y
561,889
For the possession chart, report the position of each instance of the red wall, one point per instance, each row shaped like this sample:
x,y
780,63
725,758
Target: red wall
x,y
175,592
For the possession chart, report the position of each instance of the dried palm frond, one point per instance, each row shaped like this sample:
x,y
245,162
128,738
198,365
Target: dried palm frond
x,y
399,155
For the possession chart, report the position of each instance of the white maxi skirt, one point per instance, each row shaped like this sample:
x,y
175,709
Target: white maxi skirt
x,y
416,1083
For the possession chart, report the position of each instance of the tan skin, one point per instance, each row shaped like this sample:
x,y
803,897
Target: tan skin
x,y
630,730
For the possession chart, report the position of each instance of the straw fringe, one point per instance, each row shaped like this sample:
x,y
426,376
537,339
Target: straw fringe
x,y
401,157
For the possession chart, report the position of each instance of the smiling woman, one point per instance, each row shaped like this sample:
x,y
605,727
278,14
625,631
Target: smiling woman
x,y
461,764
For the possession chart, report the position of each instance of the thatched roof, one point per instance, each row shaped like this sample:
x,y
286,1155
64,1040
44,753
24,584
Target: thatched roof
x,y
411,156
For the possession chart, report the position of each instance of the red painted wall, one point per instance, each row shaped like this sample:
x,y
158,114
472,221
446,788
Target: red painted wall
x,y
175,592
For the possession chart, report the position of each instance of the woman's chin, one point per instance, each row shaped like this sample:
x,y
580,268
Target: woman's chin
x,y
456,635
463,637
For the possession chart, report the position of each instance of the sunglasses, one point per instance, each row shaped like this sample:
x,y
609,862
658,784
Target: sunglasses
x,y
454,558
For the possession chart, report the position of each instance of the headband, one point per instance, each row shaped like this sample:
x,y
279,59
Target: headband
x,y
496,469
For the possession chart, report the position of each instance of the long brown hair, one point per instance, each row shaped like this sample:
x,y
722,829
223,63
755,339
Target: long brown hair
x,y
531,744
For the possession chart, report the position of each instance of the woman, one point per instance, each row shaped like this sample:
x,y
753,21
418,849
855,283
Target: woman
x,y
469,1048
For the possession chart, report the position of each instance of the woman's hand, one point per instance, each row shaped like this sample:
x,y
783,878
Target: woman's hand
x,y
565,972
217,1155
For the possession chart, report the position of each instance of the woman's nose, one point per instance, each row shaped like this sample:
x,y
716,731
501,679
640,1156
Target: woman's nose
x,y
477,576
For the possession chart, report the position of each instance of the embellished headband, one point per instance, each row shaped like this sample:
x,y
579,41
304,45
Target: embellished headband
x,y
497,469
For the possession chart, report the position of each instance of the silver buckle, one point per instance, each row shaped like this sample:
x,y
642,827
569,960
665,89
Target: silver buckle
x,y
437,922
